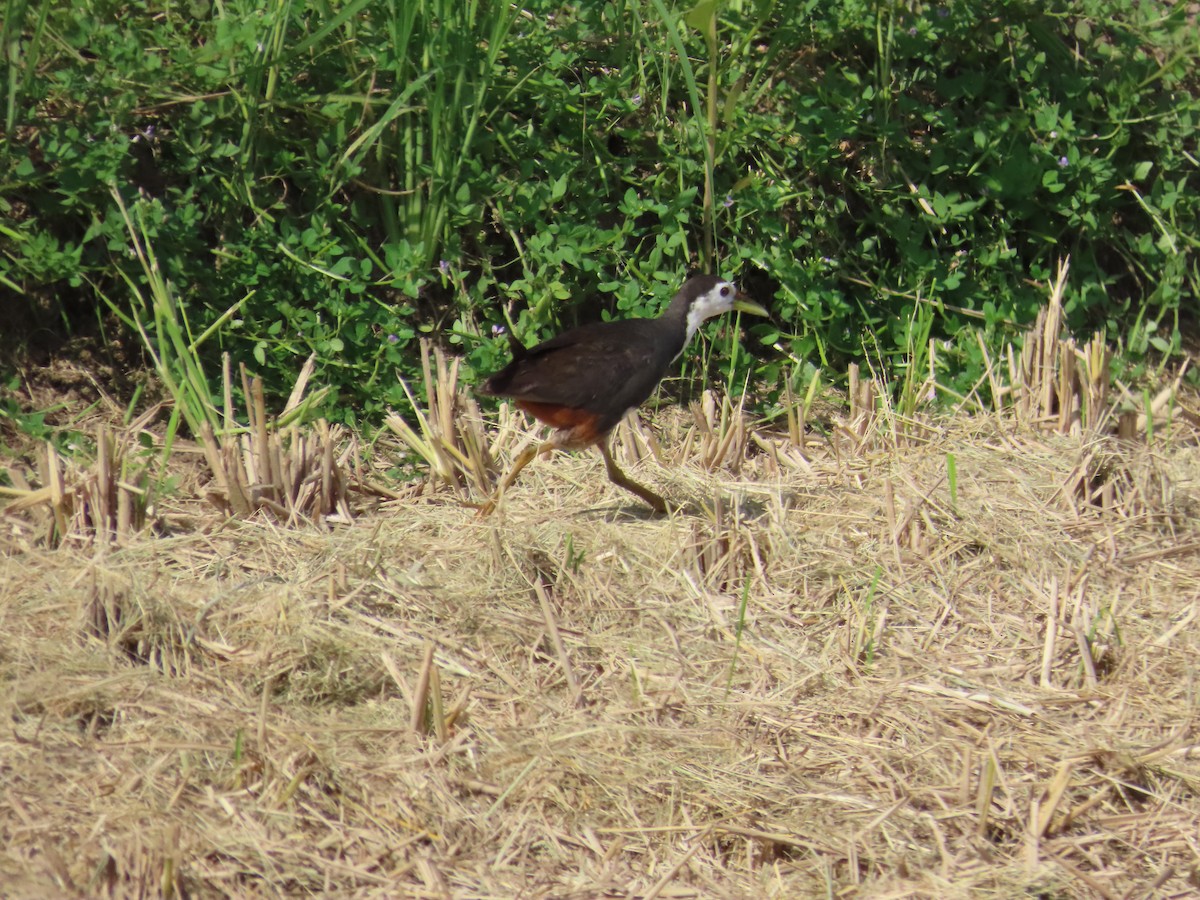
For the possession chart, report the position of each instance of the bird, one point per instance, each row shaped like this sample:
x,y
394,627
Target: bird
x,y
583,381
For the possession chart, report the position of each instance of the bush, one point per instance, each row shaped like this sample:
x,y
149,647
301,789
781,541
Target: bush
x,y
348,179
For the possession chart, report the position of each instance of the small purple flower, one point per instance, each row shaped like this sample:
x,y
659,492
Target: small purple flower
x,y
444,266
1053,135
637,100
912,32
498,330
393,339
728,201
1063,162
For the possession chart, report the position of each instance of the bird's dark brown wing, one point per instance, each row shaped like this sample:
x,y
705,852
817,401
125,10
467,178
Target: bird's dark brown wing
x,y
605,368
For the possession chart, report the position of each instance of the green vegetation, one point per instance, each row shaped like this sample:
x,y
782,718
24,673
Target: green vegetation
x,y
297,179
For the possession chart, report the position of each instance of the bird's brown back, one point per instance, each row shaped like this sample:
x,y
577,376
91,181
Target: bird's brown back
x,y
606,368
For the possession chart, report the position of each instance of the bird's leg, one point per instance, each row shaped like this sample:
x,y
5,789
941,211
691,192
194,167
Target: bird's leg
x,y
525,458
619,478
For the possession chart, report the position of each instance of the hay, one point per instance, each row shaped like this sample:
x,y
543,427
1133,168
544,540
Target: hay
x,y
829,676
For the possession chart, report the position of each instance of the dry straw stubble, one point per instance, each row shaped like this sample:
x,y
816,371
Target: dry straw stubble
x,y
834,674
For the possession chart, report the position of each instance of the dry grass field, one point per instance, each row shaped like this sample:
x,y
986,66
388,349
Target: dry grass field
x,y
955,662
899,655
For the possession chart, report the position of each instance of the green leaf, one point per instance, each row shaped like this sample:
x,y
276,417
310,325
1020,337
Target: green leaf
x,y
703,17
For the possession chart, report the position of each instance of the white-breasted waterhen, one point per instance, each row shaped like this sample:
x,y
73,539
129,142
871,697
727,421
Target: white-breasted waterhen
x,y
582,382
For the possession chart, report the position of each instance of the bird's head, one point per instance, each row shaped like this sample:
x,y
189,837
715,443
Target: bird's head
x,y
707,296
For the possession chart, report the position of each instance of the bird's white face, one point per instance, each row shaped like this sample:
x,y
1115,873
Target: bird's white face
x,y
718,299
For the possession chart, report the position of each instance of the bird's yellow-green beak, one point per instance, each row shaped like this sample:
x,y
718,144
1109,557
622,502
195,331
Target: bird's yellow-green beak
x,y
742,303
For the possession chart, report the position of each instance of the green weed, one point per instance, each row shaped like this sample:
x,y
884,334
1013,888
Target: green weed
x,y
351,179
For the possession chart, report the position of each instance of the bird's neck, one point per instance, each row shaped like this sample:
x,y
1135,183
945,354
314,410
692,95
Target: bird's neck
x,y
693,320
675,327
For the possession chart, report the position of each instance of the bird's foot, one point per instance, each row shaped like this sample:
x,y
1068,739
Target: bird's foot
x,y
482,510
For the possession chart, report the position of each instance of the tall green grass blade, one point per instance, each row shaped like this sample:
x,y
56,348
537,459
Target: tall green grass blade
x,y
163,326
22,57
952,479
707,126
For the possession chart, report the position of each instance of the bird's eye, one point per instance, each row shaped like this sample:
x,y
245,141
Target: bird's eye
x,y
725,291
